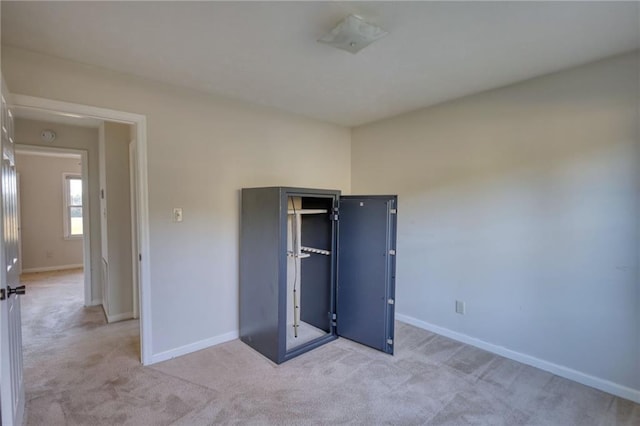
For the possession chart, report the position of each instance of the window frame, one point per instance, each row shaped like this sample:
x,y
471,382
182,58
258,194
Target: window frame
x,y
67,206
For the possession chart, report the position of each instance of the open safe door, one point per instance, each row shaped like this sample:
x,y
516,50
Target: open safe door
x,y
366,270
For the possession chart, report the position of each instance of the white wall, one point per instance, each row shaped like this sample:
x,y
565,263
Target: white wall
x,y
523,203
42,205
27,132
201,151
116,221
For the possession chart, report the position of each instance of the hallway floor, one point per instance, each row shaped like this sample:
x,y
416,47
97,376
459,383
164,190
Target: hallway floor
x,y
53,309
68,348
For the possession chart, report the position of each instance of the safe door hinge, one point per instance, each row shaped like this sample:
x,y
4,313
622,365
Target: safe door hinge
x,y
335,214
334,320
393,211
2,294
391,301
392,252
389,341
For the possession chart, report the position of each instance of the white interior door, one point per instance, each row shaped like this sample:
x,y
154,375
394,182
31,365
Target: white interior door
x,y
11,378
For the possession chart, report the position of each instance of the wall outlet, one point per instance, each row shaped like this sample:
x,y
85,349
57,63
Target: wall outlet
x,y
460,308
49,254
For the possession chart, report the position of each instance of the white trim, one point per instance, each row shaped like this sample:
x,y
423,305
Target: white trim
x,y
140,121
52,268
19,218
95,302
104,280
134,232
193,347
60,107
38,153
86,229
119,317
559,370
66,204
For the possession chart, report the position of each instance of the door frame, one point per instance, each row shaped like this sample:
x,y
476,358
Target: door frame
x,y
141,193
134,229
86,225
19,213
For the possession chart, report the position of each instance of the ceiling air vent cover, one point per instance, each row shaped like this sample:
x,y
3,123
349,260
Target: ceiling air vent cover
x,y
353,34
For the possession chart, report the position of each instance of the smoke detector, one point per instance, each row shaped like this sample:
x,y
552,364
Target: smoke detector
x,y
48,136
353,34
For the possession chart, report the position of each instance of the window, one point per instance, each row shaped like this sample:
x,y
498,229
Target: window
x,y
72,205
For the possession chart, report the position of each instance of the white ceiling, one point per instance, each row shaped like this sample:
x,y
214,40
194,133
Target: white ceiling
x,y
267,53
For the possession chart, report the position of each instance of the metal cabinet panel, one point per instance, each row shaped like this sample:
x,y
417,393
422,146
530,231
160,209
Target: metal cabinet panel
x,y
366,270
260,252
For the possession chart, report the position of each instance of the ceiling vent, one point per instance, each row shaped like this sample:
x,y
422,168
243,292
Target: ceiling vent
x,y
353,34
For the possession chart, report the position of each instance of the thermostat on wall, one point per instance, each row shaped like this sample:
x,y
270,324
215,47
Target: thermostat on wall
x,y
48,135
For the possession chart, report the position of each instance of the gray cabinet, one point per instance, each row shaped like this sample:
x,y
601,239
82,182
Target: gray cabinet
x,y
315,265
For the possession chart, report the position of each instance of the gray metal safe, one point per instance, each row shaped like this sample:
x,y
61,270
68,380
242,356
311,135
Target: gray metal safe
x,y
315,265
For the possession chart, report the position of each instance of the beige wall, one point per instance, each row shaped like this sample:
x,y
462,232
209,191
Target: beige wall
x,y
201,151
116,218
27,132
42,205
523,203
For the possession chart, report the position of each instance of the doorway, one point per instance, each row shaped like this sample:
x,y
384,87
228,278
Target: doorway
x,y
140,244
54,224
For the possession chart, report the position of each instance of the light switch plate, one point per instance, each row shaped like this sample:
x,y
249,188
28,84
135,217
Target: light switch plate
x,y
177,214
460,308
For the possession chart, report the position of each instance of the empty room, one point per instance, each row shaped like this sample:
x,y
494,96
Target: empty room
x,y
328,212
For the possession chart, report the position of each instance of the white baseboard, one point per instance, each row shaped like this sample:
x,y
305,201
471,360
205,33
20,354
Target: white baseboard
x,y
559,370
193,347
52,268
119,317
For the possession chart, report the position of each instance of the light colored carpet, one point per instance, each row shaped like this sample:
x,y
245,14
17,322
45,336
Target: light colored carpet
x,y
80,371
